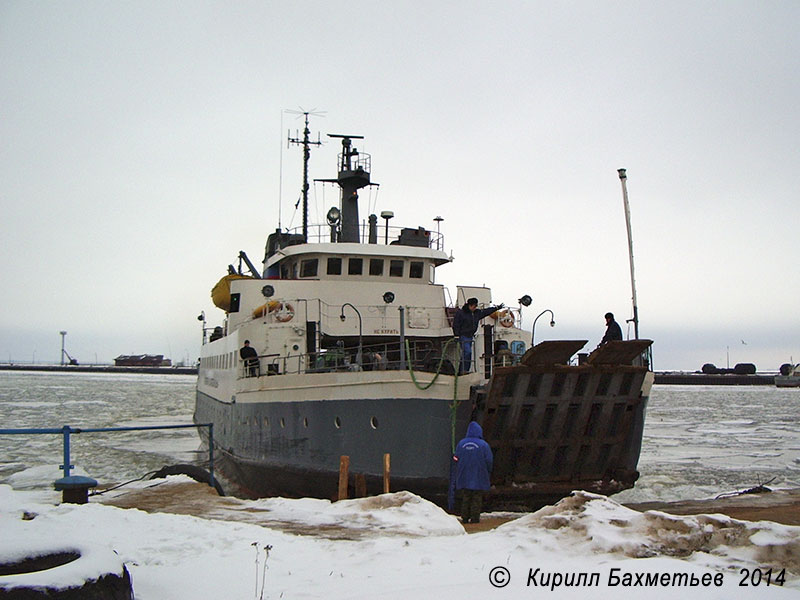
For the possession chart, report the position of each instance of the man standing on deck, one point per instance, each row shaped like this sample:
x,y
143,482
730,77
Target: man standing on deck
x,y
473,464
250,357
613,330
465,324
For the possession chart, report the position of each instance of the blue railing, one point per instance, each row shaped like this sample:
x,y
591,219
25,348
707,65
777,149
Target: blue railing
x,y
66,431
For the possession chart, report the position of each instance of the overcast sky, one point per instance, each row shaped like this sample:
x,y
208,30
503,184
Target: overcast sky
x,y
141,146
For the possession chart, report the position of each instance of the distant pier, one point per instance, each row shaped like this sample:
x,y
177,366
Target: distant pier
x,y
99,369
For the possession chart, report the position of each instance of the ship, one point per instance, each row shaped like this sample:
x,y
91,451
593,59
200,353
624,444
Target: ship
x,y
354,356
788,377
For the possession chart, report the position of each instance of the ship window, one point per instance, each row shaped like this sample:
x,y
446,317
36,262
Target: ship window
x,y
337,422
395,268
416,269
334,266
283,422
284,271
376,266
235,302
305,422
308,268
355,266
373,422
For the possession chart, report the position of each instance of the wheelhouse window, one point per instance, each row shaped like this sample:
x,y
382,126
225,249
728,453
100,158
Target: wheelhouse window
x,y
395,268
355,266
308,268
334,266
415,269
376,266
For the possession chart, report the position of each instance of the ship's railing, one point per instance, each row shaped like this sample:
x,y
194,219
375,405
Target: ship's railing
x,y
321,233
422,355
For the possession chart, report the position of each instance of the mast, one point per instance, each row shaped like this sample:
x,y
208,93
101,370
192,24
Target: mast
x,y
623,179
354,168
306,143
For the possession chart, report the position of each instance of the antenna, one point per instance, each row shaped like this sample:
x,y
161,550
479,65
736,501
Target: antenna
x,y
306,143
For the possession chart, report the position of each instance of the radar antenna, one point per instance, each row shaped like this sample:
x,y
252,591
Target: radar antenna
x,y
306,143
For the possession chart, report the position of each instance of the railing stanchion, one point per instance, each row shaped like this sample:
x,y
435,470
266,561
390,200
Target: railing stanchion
x,y
67,466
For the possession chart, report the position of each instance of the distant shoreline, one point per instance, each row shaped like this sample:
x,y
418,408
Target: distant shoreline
x,y
99,369
661,377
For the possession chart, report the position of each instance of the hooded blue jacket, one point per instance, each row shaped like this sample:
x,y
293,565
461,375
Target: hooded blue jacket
x,y
474,460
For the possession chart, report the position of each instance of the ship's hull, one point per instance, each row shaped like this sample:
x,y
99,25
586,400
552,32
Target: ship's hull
x,y
581,428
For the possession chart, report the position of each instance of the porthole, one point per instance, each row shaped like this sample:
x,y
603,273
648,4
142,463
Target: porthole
x,y
337,422
305,422
266,421
283,422
373,422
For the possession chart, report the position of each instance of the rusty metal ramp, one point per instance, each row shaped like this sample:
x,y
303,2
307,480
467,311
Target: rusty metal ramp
x,y
552,352
618,352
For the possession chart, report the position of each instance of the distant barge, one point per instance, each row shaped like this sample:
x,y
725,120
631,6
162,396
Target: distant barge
x,y
680,378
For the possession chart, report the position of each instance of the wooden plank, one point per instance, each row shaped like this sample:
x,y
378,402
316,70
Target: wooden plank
x,y
387,468
344,469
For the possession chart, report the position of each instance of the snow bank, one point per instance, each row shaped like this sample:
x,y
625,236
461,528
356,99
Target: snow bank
x,y
177,557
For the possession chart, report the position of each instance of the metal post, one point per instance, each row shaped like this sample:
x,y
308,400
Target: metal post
x,y
533,329
624,178
402,310
66,467
63,335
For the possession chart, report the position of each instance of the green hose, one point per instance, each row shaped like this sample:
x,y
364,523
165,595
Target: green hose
x,y
454,403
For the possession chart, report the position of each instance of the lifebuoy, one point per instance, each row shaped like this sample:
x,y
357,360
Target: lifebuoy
x,y
262,310
284,313
506,318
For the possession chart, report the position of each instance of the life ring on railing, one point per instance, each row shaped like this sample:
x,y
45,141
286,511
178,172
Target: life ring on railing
x,y
506,318
262,310
284,312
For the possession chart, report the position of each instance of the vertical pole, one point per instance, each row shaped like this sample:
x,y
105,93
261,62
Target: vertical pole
x,y
66,466
402,310
211,481
344,468
624,178
387,468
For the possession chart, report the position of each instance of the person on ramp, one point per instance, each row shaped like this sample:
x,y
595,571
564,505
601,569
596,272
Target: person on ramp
x,y
473,465
613,330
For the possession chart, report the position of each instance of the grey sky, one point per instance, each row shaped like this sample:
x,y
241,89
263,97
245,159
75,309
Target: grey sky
x,y
140,150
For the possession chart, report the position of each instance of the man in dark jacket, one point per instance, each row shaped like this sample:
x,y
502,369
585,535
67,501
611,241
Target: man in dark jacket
x,y
613,330
465,324
473,465
250,357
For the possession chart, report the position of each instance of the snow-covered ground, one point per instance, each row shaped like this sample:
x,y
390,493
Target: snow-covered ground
x,y
586,546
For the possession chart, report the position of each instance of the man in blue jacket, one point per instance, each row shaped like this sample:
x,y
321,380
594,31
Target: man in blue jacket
x,y
465,324
473,464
